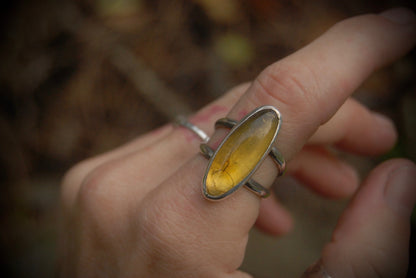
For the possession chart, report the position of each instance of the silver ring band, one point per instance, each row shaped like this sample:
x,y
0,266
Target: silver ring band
x,y
274,153
182,121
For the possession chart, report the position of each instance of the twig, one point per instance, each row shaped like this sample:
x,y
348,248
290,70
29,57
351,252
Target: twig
x,y
145,81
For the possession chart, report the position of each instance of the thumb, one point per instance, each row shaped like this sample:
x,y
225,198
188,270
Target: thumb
x,y
372,236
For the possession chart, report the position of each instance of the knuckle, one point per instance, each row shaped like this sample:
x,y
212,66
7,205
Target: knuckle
x,y
72,181
292,84
88,196
97,193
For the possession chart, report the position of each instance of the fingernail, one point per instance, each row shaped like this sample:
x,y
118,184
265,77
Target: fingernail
x,y
401,16
401,189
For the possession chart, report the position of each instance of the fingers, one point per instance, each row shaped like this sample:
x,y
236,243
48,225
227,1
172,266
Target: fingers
x,y
346,130
133,163
273,218
318,169
311,84
372,236
324,173
76,175
307,87
356,129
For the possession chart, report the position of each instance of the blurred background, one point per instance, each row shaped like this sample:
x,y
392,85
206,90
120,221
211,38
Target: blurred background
x,y
81,77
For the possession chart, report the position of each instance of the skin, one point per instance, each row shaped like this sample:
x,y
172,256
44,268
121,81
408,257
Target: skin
x,y
138,211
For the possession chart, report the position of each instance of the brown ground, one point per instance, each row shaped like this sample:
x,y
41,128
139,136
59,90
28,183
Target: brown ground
x,y
81,77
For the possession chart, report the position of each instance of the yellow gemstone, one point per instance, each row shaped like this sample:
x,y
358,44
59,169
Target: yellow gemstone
x,y
240,153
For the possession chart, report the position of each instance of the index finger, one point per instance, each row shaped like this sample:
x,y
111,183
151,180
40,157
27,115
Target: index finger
x,y
307,88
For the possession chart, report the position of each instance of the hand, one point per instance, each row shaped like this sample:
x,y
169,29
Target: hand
x,y
138,211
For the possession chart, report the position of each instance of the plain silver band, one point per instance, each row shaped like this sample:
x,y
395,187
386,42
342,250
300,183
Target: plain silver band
x,y
251,184
182,121
316,270
274,153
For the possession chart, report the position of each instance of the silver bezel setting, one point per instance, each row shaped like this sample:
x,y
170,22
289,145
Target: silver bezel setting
x,y
251,184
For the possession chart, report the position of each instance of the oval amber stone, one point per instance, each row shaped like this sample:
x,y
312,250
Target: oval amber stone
x,y
240,153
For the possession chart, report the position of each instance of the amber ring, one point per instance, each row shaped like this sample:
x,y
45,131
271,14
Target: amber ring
x,y
241,152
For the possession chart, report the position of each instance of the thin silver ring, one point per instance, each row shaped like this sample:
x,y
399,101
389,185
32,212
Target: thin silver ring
x,y
182,121
251,184
274,153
